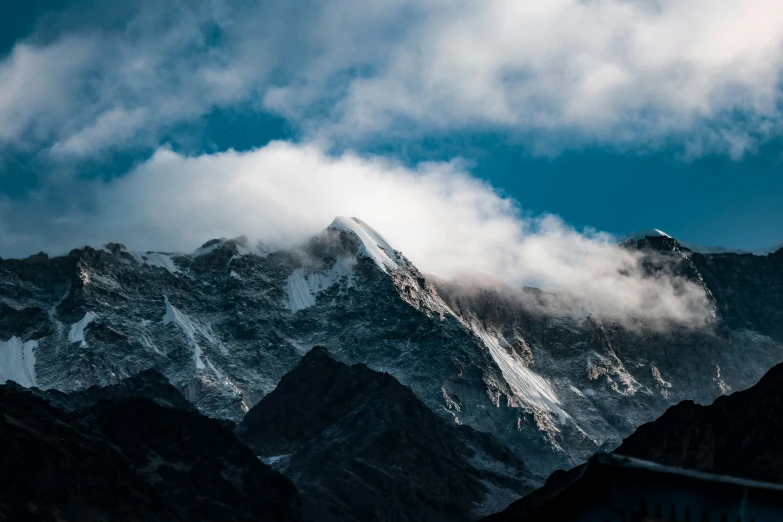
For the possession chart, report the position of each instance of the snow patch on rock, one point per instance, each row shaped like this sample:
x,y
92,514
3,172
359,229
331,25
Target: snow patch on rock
x,y
303,285
725,389
17,362
159,259
188,327
76,333
653,232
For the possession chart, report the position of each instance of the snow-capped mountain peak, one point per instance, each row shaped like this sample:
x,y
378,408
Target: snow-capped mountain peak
x,y
653,232
374,245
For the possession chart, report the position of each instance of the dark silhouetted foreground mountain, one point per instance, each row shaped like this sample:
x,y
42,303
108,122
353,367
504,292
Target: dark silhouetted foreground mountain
x,y
739,435
149,383
362,447
616,488
127,458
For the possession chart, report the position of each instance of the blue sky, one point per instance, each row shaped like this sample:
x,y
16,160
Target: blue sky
x,y
609,126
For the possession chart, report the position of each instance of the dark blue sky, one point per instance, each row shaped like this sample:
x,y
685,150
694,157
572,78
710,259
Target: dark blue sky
x,y
710,199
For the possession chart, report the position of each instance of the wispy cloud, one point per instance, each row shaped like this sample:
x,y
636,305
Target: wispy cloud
x,y
89,90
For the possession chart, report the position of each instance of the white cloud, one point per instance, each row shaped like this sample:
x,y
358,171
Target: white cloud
x,y
632,73
38,86
607,71
447,222
91,90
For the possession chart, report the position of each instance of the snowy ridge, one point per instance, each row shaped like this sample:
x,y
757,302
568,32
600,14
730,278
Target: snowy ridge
x,y
203,250
76,333
17,362
655,232
373,244
302,286
166,260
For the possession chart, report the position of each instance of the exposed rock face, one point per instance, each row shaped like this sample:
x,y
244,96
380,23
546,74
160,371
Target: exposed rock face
x,y
128,458
225,323
362,447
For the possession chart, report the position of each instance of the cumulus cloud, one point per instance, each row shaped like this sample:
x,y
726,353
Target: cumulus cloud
x,y
445,221
703,73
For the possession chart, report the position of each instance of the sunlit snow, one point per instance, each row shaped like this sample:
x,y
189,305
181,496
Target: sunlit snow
x,y
529,386
76,333
373,244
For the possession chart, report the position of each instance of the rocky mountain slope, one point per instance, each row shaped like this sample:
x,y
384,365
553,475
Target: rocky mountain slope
x,y
609,376
225,323
126,458
737,435
362,447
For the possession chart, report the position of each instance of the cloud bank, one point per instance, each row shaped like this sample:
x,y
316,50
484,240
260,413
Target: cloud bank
x,y
703,74
637,74
445,221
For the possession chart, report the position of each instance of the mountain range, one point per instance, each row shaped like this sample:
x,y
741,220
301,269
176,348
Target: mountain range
x,y
226,323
